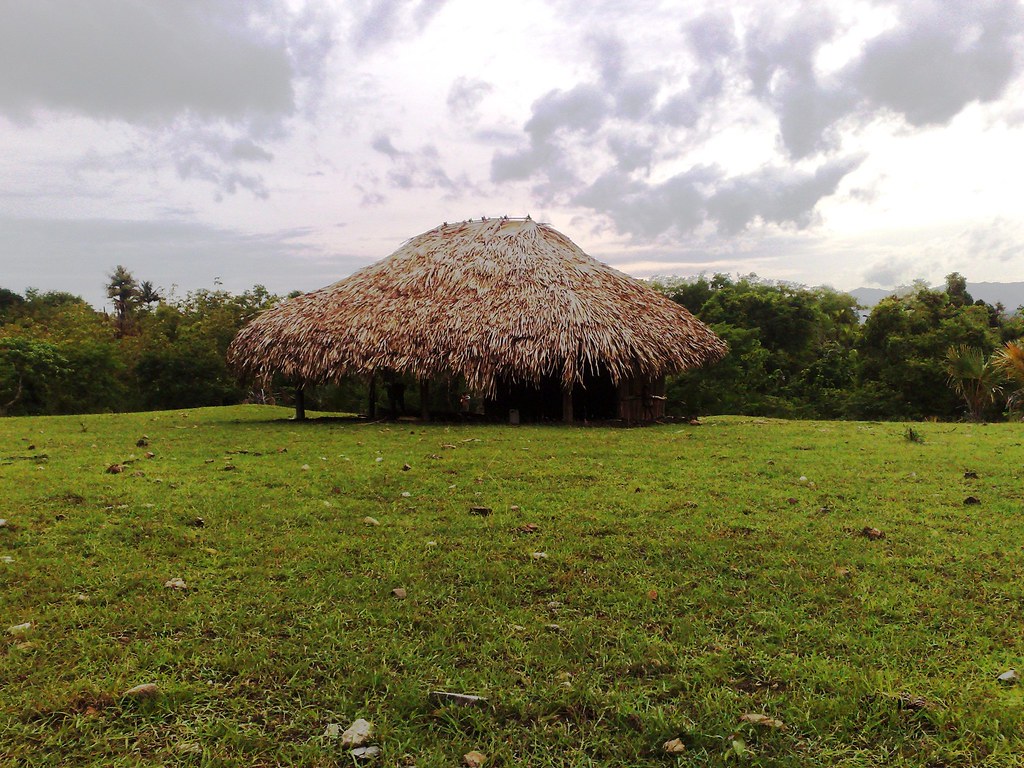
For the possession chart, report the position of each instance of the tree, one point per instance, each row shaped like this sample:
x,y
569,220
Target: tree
x,y
10,303
123,289
28,369
1010,362
902,354
973,377
956,289
148,294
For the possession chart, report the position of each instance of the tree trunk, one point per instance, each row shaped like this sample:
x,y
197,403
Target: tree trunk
x,y
567,416
371,409
300,404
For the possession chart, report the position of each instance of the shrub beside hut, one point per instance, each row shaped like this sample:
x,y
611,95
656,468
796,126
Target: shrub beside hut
x,y
511,307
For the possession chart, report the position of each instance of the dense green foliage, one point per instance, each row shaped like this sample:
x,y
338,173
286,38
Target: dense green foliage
x,y
806,352
59,355
794,351
692,575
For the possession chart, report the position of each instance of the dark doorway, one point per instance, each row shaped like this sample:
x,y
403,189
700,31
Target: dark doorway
x,y
596,399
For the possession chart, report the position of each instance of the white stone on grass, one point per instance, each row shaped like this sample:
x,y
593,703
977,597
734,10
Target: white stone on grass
x,y
357,734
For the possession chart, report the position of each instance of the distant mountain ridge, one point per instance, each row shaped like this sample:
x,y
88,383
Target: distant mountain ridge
x,y
1011,295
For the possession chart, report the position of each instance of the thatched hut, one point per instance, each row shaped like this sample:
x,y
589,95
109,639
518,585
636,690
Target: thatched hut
x,y
511,307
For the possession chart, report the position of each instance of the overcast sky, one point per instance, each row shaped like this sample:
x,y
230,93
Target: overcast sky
x,y
217,142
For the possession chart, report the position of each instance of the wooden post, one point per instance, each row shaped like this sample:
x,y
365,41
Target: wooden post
x,y
371,408
567,405
425,399
300,403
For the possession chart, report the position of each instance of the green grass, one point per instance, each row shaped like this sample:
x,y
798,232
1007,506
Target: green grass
x,y
766,598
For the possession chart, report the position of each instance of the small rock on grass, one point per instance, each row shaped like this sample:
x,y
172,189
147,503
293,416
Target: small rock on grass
x,y
357,734
674,747
763,720
333,731
971,500
400,593
1009,677
3,523
175,583
365,754
143,691
371,520
539,555
19,629
474,759
872,534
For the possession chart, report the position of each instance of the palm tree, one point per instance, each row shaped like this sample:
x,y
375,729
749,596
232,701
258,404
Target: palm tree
x,y
124,290
1010,362
148,294
974,377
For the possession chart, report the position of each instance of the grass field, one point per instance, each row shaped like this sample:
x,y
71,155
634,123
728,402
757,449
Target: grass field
x,y
690,578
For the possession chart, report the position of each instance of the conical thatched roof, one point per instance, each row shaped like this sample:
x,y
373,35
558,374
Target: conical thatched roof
x,y
506,299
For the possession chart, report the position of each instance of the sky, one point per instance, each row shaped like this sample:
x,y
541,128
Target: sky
x,y
217,144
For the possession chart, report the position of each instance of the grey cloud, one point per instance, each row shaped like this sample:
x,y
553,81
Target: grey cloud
x,y
632,153
217,156
705,194
779,61
465,96
937,59
582,109
680,110
635,96
942,57
889,272
421,169
1001,240
382,144
647,211
192,165
140,61
205,83
776,196
774,44
632,93
711,35
247,149
610,53
379,22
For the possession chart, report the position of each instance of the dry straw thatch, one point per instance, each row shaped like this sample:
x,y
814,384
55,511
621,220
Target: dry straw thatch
x,y
491,300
